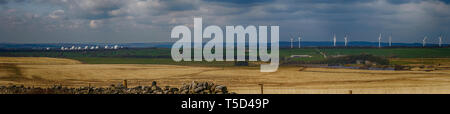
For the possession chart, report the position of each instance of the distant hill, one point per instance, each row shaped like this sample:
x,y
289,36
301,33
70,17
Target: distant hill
x,y
355,44
283,44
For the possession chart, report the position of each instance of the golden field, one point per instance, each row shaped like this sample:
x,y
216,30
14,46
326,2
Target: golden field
x,y
243,80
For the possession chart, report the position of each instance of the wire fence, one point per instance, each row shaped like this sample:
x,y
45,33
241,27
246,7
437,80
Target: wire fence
x,y
414,90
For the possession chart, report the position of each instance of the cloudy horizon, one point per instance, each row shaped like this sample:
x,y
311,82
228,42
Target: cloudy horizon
x,y
143,21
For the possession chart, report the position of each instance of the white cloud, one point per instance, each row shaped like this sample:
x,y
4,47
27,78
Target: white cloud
x,y
95,23
56,14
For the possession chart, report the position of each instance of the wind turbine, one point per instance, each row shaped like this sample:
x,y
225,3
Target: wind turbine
x,y
424,42
334,40
292,41
440,40
390,40
379,41
346,40
299,41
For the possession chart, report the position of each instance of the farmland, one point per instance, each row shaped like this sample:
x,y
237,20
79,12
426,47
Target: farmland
x,y
142,66
286,80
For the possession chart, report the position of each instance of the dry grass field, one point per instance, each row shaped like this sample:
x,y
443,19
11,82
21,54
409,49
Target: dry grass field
x,y
243,80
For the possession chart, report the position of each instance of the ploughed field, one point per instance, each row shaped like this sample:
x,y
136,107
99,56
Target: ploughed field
x,y
47,72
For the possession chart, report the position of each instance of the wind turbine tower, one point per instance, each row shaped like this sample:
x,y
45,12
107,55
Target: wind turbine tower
x,y
299,41
346,40
334,40
390,40
440,40
379,41
424,42
292,42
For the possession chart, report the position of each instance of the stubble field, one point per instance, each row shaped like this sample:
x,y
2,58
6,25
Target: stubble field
x,y
41,71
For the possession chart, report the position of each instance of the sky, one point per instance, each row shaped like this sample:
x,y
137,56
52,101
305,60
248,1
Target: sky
x,y
143,21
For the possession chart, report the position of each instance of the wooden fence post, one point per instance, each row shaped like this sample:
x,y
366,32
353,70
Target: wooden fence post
x,y
262,88
125,83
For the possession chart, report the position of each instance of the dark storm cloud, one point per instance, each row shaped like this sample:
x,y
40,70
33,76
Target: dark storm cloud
x,y
92,10
446,1
240,2
179,5
8,1
151,20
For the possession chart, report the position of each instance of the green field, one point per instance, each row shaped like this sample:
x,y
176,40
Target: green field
x,y
394,52
162,55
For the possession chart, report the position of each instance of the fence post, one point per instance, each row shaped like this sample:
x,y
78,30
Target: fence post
x,y
125,83
89,88
262,88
